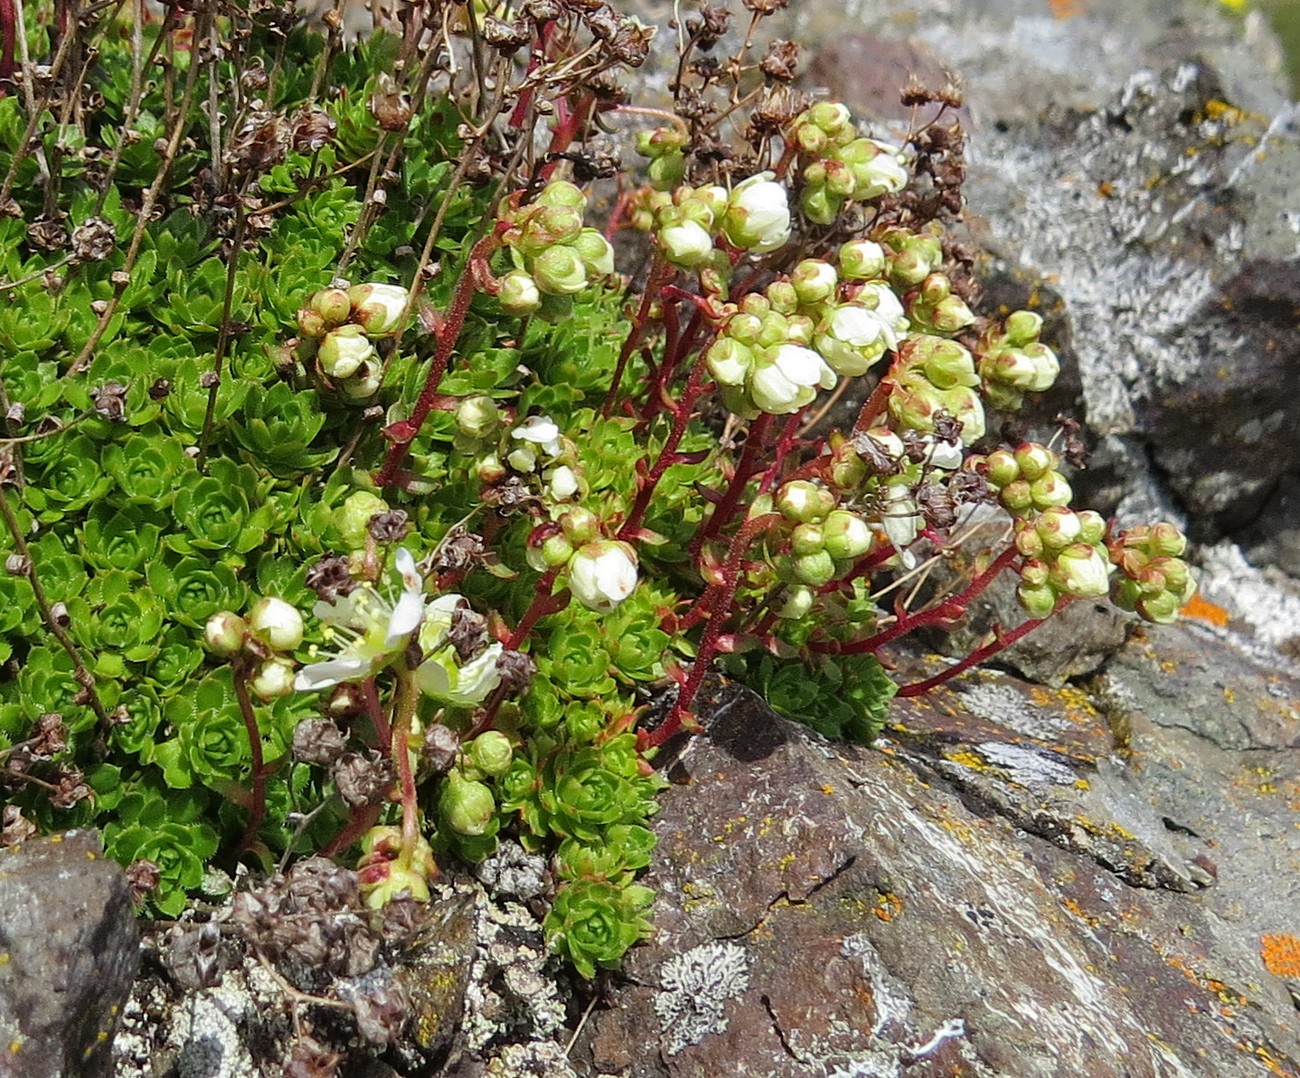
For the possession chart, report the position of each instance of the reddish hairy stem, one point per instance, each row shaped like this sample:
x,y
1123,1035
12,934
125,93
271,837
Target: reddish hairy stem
x,y
1001,642
361,821
257,809
947,610
667,455
404,433
746,469
660,274
725,592
783,445
543,603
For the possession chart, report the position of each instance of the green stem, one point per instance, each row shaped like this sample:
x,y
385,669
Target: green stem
x,y
408,696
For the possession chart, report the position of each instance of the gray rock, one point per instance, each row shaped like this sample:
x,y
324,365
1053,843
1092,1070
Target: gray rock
x,y
1017,882
1138,160
69,949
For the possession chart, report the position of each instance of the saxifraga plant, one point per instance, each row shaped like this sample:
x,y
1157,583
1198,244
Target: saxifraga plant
x,y
355,501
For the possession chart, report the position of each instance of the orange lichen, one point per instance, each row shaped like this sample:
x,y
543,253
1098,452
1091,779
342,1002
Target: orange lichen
x,y
1281,954
890,906
1204,610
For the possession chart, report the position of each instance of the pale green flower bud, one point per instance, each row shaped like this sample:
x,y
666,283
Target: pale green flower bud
x,y
804,502
549,226
559,271
1022,328
877,169
686,243
1082,571
1034,572
467,806
311,324
1035,460
1058,527
729,361
489,468
819,205
555,551
364,384
561,483
758,215
745,326
272,679
862,260
344,350
806,539
1050,489
478,417
914,255
714,199
847,535
783,297
223,633
384,881
490,753
580,525
831,120
814,281
378,307
840,180
352,519
1038,602
562,193
1092,527
796,602
1001,467
519,295
1029,542
596,252
946,363
1017,496
276,623
666,172
333,305
1163,608
815,570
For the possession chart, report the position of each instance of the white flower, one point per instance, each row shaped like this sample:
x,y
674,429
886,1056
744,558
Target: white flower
x,y
1083,571
852,338
686,243
442,675
758,215
901,522
378,307
278,623
788,380
562,483
539,430
879,297
344,350
375,629
273,678
602,574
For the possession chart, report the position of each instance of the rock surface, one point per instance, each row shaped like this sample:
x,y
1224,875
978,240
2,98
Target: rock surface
x,y
69,949
1017,882
1134,164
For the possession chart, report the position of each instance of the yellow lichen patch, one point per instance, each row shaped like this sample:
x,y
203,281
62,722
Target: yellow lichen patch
x,y
1281,954
890,906
967,758
1220,110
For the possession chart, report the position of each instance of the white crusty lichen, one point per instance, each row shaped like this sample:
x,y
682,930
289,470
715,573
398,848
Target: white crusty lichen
x,y
694,986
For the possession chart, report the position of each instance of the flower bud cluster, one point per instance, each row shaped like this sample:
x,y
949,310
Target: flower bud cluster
x,y
1013,362
933,376
271,628
824,541
762,357
339,328
1153,579
838,166
684,224
911,256
1064,555
382,872
933,307
1026,479
534,449
466,803
665,147
554,257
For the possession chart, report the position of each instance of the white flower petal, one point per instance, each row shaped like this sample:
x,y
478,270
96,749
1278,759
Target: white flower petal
x,y
330,673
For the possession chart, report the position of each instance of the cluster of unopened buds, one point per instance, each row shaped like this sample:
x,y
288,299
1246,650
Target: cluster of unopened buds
x,y
1063,550
264,639
339,329
753,217
1153,580
838,165
553,255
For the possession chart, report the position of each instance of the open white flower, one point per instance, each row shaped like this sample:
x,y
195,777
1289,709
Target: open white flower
x,y
852,338
374,629
788,378
442,675
758,215
602,574
541,431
